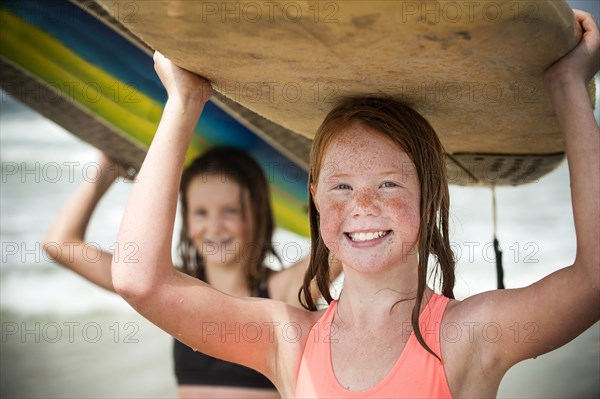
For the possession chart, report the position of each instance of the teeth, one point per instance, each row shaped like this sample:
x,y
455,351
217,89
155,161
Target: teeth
x,y
218,242
367,236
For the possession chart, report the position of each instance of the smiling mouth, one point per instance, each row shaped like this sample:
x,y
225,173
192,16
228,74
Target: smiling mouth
x,y
218,243
363,237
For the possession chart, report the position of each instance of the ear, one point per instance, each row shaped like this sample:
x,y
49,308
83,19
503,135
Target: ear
x,y
313,193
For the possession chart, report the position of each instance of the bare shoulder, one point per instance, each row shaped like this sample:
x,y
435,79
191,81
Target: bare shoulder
x,y
486,334
277,283
468,308
465,329
475,321
293,326
285,284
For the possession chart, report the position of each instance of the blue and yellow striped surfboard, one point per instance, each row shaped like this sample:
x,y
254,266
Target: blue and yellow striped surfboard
x,y
67,64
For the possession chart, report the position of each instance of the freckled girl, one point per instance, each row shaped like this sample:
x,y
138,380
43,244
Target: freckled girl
x,y
379,205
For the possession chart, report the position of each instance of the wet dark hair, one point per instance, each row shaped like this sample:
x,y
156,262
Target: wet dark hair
x,y
415,136
235,164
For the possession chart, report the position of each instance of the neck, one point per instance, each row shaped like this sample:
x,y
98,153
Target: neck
x,y
228,278
372,298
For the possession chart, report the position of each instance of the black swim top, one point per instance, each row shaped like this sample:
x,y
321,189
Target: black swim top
x,y
196,368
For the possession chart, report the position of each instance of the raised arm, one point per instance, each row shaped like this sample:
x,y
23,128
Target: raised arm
x,y
147,224
65,242
551,312
187,308
566,82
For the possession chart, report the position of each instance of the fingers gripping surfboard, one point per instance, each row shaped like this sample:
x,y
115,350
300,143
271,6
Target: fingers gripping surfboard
x,y
473,69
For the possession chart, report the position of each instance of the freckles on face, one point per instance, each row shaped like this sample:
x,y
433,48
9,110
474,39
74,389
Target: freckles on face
x,y
332,211
407,216
367,184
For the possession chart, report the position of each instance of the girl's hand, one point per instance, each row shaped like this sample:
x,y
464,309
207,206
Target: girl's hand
x,y
113,169
583,61
181,84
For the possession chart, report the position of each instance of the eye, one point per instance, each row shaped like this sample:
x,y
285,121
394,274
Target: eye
x,y
342,187
231,212
200,212
389,184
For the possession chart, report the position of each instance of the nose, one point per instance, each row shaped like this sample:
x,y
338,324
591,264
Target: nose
x,y
365,203
214,224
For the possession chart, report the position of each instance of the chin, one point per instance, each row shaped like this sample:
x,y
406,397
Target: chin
x,y
368,264
222,260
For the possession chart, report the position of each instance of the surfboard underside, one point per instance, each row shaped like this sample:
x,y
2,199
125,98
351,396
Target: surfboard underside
x,y
480,154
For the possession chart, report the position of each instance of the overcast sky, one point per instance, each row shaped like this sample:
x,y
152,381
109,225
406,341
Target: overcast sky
x,y
592,6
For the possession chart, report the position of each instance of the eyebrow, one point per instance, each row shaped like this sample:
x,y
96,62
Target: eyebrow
x,y
392,172
337,174
384,173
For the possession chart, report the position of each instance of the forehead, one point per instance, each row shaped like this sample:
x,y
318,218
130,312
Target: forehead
x,y
360,149
213,189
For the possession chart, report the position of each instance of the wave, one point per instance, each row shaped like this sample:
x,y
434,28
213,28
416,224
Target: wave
x,y
55,291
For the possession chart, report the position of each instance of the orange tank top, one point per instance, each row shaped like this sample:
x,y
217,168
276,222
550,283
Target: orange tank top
x,y
416,374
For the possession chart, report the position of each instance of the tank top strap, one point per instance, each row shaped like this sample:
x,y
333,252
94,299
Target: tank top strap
x,y
430,322
329,313
320,332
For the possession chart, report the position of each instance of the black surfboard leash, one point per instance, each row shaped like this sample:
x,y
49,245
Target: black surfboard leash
x,y
497,249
